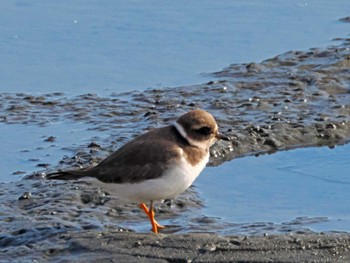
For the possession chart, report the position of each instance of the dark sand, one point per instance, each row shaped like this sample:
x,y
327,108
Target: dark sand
x,y
93,246
297,99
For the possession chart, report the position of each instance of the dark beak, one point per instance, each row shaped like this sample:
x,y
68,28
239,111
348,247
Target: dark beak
x,y
222,137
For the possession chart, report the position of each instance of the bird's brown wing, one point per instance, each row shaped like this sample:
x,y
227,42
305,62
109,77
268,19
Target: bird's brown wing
x,y
137,161
143,158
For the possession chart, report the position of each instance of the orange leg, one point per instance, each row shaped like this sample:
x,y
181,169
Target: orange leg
x,y
150,214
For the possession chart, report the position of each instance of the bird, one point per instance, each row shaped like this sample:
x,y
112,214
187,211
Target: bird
x,y
157,165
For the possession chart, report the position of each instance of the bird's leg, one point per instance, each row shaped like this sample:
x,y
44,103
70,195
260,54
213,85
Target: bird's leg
x,y
151,217
150,214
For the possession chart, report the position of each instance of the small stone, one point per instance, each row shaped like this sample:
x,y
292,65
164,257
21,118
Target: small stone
x,y
192,104
149,113
94,145
25,196
44,165
50,139
18,172
331,126
272,143
252,68
33,160
138,244
345,19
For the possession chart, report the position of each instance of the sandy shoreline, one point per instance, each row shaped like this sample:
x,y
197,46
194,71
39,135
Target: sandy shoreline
x,y
91,246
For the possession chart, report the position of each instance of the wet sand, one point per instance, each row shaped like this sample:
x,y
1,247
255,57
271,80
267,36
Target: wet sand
x,y
297,99
91,246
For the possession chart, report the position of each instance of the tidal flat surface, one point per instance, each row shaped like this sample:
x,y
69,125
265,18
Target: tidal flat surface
x,y
271,109
294,100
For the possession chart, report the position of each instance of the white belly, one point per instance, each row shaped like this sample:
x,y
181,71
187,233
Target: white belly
x,y
174,181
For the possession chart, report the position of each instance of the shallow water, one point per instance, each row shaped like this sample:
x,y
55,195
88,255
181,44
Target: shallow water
x,y
307,188
28,148
113,46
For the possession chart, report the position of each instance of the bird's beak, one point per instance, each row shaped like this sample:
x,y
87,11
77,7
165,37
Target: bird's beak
x,y
222,137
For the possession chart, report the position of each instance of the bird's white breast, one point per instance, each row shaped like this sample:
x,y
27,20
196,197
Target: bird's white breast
x,y
174,180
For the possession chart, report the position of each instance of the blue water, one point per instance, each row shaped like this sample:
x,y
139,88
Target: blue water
x,y
25,146
311,182
112,46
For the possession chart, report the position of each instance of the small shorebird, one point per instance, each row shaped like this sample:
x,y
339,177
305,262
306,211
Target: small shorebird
x,y
157,165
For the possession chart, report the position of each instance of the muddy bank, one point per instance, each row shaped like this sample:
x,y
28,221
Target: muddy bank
x,y
297,99
59,222
111,246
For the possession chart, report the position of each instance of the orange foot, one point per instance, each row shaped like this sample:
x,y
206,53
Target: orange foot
x,y
150,214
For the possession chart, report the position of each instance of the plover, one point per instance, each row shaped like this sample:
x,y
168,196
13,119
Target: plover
x,y
157,165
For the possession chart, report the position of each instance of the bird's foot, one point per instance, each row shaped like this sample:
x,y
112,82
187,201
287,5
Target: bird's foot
x,y
150,214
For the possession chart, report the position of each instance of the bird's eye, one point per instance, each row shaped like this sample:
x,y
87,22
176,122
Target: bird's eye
x,y
204,131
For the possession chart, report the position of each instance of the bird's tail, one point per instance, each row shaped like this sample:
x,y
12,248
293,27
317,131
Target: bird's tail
x,y
69,175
